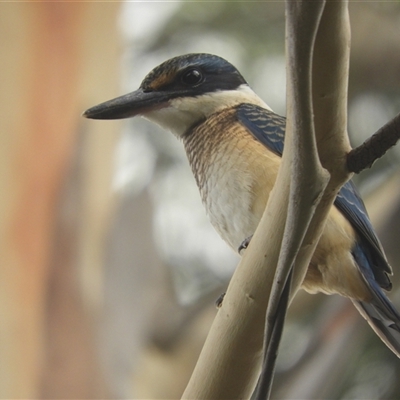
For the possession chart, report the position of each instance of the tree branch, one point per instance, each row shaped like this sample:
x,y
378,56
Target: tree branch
x,y
231,356
376,146
308,60
230,359
307,180
264,385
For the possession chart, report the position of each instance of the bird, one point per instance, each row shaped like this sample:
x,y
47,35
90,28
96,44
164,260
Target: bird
x,y
234,143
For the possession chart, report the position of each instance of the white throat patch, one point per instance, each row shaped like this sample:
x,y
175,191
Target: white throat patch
x,y
184,112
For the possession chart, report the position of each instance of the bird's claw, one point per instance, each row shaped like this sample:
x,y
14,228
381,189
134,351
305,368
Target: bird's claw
x,y
218,302
244,244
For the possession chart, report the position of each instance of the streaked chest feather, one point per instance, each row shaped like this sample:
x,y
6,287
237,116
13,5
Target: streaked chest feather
x,y
226,162
235,174
228,199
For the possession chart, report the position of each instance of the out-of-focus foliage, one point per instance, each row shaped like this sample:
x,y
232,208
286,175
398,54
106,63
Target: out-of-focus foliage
x,y
55,194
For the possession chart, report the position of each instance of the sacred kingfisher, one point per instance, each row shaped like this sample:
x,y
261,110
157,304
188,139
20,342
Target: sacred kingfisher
x,y
234,143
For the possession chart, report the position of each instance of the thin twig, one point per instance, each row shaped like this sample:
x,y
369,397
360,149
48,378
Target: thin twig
x,y
264,384
375,147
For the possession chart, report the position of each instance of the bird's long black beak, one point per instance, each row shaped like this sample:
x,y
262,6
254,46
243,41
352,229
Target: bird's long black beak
x,y
132,104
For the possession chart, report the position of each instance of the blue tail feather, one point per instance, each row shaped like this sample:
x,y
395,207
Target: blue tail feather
x,y
379,311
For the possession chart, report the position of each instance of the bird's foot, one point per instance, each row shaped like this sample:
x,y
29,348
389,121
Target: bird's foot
x,y
244,244
218,302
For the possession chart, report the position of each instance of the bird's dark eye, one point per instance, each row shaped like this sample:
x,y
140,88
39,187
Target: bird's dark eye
x,y
192,77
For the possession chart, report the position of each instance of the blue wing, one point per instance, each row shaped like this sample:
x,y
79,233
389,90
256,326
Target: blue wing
x,y
269,129
266,126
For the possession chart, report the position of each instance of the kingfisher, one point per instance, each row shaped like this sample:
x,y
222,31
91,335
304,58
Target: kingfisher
x,y
234,143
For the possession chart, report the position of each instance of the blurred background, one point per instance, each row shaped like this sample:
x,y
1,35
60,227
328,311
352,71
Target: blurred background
x,y
109,268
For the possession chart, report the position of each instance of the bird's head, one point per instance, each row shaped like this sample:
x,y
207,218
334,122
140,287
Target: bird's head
x,y
181,92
